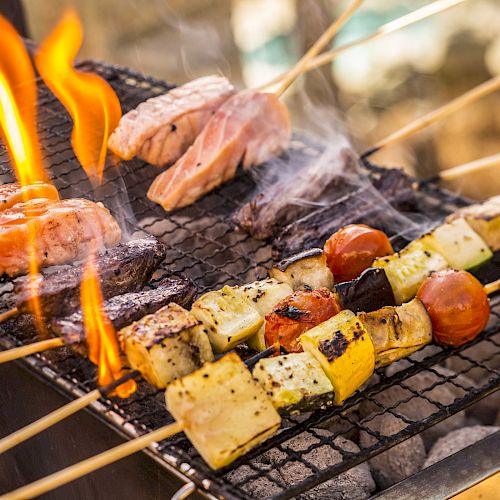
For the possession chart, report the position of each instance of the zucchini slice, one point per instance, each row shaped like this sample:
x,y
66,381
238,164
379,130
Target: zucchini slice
x,y
223,410
165,345
345,350
459,244
264,294
295,382
305,270
408,269
228,316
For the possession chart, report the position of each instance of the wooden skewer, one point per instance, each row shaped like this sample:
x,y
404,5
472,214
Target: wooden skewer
x,y
460,102
492,287
26,350
392,26
9,314
318,46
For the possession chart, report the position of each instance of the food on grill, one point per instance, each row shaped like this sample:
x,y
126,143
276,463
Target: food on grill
x,y
13,193
124,268
298,313
353,248
64,231
304,270
162,128
345,350
459,244
484,218
250,127
228,316
295,382
457,305
224,412
396,332
124,309
166,345
264,295
407,269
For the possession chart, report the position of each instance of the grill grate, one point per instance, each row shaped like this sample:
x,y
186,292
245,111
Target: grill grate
x,y
203,245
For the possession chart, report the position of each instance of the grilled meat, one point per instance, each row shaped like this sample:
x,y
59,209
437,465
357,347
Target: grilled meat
x,y
161,129
61,231
250,127
13,193
124,268
366,205
124,309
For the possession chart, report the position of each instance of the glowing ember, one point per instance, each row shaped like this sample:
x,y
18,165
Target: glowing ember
x,y
100,334
89,99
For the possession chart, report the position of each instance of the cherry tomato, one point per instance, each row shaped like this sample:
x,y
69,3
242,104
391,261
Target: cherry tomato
x,y
298,313
457,305
353,249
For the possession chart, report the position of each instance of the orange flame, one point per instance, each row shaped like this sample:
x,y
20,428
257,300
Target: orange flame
x,y
89,99
100,334
18,127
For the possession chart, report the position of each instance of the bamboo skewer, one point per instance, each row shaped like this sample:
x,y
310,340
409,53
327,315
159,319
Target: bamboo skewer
x,y
492,287
26,350
9,314
460,102
318,46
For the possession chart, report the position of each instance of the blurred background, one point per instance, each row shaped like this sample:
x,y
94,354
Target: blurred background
x,y
367,93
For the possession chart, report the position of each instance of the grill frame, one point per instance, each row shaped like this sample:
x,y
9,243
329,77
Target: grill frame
x,y
77,375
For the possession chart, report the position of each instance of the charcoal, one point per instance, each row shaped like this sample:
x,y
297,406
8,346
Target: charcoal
x,y
122,310
124,268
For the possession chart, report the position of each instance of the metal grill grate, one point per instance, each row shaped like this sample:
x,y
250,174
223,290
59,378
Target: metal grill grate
x,y
203,245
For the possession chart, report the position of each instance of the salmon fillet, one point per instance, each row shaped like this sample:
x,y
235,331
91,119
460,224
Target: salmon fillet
x,y
63,231
161,129
13,193
251,127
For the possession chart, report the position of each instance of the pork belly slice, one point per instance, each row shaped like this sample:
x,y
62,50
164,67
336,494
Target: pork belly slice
x,y
251,127
13,193
161,129
124,268
63,231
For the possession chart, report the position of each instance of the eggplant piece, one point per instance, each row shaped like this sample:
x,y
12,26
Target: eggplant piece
x,y
124,268
305,270
397,332
123,310
370,291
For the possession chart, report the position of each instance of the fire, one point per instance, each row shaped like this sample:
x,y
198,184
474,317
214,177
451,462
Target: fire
x,y
89,99
100,334
18,104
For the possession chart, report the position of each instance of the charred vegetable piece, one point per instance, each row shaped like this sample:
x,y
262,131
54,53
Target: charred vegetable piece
x,y
345,350
305,270
166,345
264,294
124,268
298,313
396,332
295,382
124,309
484,218
223,410
457,305
459,244
228,316
407,270
352,249
369,292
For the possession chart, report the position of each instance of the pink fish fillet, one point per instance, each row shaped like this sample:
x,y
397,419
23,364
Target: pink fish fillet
x,y
251,127
161,129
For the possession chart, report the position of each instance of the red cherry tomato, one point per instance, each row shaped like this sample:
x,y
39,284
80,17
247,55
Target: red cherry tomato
x,y
298,313
457,305
353,249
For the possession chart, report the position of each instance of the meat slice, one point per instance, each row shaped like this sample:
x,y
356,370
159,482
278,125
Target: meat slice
x,y
251,128
160,129
13,193
59,231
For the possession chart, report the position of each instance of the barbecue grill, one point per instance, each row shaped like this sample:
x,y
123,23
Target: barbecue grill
x,y
203,244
